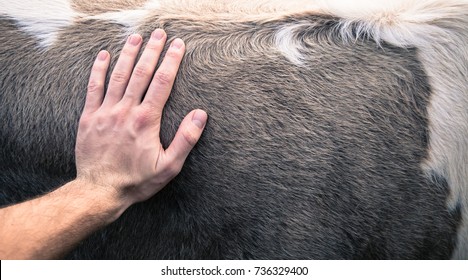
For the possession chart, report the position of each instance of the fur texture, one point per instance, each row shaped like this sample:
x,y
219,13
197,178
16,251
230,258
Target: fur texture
x,y
42,19
328,134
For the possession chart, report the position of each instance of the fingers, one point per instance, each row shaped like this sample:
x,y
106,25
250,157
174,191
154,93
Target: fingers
x,y
185,139
125,138
97,79
122,70
162,82
144,69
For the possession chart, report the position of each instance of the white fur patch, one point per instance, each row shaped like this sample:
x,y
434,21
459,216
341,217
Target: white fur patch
x,y
40,18
130,18
288,44
399,22
152,4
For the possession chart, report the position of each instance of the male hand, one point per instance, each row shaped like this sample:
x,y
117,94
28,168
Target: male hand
x,y
118,146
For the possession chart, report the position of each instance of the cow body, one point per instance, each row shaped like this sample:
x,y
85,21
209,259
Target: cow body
x,y
331,135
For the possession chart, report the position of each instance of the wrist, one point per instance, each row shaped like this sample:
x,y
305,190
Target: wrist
x,y
102,202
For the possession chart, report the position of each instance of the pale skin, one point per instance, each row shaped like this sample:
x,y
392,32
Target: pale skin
x,y
119,157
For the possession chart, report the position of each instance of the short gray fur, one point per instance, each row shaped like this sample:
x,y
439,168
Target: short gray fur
x,y
318,161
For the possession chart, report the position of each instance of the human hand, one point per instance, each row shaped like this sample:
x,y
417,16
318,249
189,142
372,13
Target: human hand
x,y
118,146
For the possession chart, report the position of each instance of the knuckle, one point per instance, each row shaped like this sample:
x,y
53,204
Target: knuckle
x,y
102,123
85,121
94,86
173,169
190,138
119,77
164,78
142,71
115,118
119,113
142,120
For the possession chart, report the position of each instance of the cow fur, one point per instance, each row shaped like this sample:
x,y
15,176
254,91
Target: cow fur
x,y
335,131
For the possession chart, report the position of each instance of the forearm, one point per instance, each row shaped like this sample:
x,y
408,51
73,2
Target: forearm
x,y
49,226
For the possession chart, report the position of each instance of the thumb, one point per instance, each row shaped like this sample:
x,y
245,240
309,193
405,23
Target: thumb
x,y
188,134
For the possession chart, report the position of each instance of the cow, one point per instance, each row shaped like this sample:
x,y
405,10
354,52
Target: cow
x,y
337,130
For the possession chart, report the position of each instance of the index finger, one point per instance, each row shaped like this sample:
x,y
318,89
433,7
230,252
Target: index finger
x,y
161,85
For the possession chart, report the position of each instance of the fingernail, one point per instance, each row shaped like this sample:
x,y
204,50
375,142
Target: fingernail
x,y
158,34
102,55
134,39
199,118
177,43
